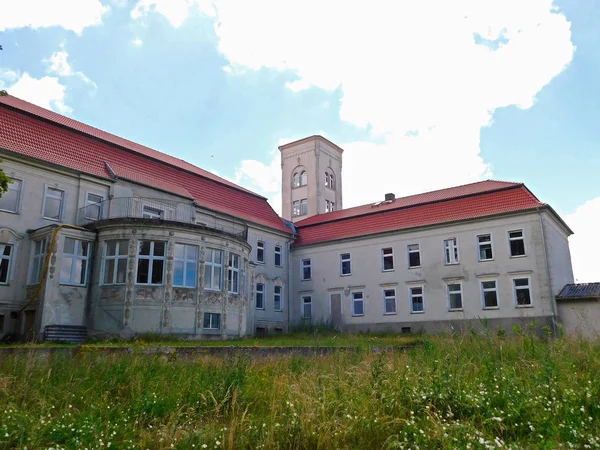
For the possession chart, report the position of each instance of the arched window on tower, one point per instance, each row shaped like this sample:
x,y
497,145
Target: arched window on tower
x,y
303,178
296,179
329,180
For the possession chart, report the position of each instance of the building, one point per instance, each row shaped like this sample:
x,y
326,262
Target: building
x,y
103,236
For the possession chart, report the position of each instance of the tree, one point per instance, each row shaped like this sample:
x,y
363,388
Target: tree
x,y
4,181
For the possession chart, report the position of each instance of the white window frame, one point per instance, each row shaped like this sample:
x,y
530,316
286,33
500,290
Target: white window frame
x,y
232,269
275,295
480,244
411,296
449,293
260,245
514,289
303,302
303,178
90,203
342,260
210,315
418,250
300,207
9,258
116,258
522,231
296,179
329,180
329,206
303,265
355,300
19,195
212,265
483,291
386,298
278,250
448,251
389,255
261,291
186,261
151,258
54,197
41,257
154,213
74,257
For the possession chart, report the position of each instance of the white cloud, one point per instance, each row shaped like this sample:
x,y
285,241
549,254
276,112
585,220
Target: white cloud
x,y
175,11
46,92
74,15
58,64
138,42
584,244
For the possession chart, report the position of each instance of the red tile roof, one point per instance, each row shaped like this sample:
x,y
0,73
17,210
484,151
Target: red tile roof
x,y
29,130
448,205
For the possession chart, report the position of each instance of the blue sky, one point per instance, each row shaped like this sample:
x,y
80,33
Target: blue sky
x,y
422,95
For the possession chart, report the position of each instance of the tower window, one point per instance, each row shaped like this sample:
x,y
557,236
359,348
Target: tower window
x,y
329,180
299,178
329,206
299,208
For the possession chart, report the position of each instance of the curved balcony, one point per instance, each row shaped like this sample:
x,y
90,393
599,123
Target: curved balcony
x,y
159,210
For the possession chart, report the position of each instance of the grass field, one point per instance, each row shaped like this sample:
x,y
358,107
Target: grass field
x,y
466,391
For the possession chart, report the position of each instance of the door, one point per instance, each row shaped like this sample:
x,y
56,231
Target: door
x,y
336,309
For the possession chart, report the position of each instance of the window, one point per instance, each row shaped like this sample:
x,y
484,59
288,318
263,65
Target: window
x,y
306,269
53,203
93,206
306,306
260,296
75,261
11,199
5,256
296,179
414,256
303,178
213,269
233,274
299,179
150,262
489,294
346,268
260,252
299,208
455,297
329,182
484,244
115,262
389,301
451,251
516,242
522,292
212,321
358,304
416,300
185,265
329,206
1,322
387,255
278,255
38,260
152,213
277,298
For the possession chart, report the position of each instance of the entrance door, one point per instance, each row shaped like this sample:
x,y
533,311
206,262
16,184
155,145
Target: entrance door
x,y
29,325
336,309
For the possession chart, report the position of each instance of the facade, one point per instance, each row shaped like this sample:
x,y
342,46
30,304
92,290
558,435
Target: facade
x,y
579,309
112,238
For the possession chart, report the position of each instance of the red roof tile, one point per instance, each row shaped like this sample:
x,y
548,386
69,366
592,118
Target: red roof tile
x,y
515,197
66,142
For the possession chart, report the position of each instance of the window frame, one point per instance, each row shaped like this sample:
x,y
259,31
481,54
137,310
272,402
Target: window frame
x,y
418,251
355,300
302,207
449,294
455,259
41,257
210,315
260,245
304,266
342,260
329,206
385,299
514,239
256,292
151,258
303,178
278,251
514,289
88,203
19,195
213,266
479,244
185,260
411,296
303,303
329,179
61,212
10,262
275,294
116,257
383,256
75,257
296,179
231,269
483,290
152,214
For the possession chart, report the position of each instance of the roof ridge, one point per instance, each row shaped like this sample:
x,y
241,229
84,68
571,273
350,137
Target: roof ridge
x,y
53,117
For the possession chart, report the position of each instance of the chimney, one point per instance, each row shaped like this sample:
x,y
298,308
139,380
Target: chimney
x,y
390,197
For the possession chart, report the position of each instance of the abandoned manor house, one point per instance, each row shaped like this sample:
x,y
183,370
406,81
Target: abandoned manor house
x,y
100,236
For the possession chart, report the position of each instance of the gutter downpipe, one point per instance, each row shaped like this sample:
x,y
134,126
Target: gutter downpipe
x,y
552,299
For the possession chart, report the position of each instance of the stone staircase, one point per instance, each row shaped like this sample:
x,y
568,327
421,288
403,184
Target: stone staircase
x,y
65,333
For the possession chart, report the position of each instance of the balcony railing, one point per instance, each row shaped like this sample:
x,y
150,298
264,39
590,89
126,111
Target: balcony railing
x,y
158,209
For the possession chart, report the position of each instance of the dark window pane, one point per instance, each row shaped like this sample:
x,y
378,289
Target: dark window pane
x,y
206,321
489,284
388,263
523,297
517,247
346,267
414,259
159,249
157,271
111,248
121,270
490,299
417,291
455,301
3,270
358,308
142,272
390,305
109,268
7,250
144,248
522,282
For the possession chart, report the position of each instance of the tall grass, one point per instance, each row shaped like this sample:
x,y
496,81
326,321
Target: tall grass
x,y
452,392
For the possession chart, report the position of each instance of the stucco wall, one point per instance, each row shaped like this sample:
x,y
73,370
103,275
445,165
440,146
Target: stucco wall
x,y
559,255
580,317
